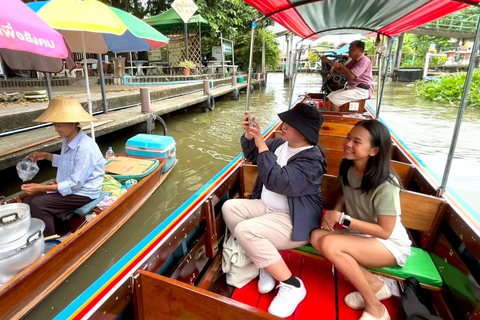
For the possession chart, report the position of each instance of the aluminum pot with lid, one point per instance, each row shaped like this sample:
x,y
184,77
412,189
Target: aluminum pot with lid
x,y
14,221
19,254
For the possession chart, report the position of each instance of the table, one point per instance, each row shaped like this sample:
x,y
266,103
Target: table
x,y
138,64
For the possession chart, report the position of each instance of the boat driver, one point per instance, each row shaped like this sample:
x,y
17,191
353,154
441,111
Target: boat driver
x,y
80,167
359,74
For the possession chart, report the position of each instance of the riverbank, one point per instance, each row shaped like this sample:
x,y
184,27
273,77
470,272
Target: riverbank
x,y
127,112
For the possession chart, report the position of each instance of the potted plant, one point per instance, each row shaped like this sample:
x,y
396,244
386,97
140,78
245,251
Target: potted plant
x,y
187,65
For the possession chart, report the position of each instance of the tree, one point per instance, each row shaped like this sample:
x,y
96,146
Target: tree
x,y
272,53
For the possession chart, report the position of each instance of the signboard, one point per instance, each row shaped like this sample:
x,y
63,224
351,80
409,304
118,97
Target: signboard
x,y
217,53
185,9
155,55
227,47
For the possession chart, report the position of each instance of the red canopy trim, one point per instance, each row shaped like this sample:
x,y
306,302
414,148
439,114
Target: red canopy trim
x,y
299,16
436,9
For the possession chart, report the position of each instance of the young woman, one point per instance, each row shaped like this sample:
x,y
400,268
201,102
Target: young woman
x,y
80,166
286,204
371,233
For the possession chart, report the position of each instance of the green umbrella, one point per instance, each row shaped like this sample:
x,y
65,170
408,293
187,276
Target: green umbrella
x,y
167,21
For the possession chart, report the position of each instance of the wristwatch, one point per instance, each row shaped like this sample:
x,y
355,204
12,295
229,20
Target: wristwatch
x,y
347,220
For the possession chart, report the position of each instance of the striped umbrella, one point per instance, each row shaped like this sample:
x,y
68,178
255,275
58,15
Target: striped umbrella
x,y
91,26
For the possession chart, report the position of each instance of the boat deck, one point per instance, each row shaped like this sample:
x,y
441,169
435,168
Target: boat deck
x,y
317,275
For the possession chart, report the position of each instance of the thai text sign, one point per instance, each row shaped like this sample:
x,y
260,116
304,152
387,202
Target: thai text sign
x,y
185,9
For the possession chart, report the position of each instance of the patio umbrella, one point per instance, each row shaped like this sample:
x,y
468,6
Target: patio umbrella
x,y
91,26
29,43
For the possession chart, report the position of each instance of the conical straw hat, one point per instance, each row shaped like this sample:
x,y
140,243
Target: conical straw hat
x,y
64,111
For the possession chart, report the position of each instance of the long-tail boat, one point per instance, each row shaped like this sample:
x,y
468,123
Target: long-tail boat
x,y
44,275
175,271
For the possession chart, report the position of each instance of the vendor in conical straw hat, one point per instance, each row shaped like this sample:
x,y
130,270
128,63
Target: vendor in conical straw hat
x,y
80,167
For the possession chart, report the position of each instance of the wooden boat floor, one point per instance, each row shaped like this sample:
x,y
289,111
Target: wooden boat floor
x,y
317,275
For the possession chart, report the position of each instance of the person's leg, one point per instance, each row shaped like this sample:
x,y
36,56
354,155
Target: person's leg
x,y
36,203
348,254
237,210
341,97
261,238
46,206
332,100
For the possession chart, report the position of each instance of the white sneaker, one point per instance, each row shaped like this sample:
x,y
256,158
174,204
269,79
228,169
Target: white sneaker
x,y
266,282
368,316
355,300
287,299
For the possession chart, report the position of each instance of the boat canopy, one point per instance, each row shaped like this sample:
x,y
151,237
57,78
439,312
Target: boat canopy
x,y
310,19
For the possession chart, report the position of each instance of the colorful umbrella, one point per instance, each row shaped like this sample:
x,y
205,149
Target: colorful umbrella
x,y
29,43
91,26
105,28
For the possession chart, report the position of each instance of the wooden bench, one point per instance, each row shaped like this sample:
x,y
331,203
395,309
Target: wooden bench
x,y
419,212
159,297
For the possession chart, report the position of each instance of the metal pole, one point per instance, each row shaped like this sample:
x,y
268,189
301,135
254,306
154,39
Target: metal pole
x,y
384,82
461,110
102,83
131,63
200,39
49,85
296,72
186,41
89,101
398,53
233,59
287,58
223,55
379,82
263,53
249,81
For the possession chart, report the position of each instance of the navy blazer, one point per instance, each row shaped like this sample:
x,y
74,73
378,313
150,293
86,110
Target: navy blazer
x,y
300,180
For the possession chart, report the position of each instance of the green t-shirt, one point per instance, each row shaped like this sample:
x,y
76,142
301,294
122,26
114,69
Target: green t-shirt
x,y
367,206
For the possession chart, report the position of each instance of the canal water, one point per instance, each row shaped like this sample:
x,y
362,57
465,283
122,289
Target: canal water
x,y
206,142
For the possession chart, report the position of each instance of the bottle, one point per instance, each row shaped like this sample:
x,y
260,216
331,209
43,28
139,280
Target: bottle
x,y
123,190
109,155
130,183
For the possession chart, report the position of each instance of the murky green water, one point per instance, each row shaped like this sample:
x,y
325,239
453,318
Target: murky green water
x,y
206,142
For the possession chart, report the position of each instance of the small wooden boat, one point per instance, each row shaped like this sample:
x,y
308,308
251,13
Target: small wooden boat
x,y
48,272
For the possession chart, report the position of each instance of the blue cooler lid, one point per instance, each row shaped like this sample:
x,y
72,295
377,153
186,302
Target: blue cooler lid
x,y
151,141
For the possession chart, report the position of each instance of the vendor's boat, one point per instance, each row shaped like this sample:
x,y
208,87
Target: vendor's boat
x,y
43,274
175,271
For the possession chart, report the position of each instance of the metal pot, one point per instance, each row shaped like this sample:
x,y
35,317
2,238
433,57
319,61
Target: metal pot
x,y
14,221
19,254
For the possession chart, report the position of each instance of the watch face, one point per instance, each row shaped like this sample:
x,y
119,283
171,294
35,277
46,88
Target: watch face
x,y
347,221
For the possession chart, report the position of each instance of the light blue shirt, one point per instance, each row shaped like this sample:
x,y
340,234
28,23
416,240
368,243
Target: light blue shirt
x,y
80,167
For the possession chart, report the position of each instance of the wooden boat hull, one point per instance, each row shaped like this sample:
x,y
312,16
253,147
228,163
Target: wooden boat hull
x,y
112,293
42,277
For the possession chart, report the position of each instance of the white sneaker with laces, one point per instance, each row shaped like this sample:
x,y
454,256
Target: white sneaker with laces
x,y
266,282
287,299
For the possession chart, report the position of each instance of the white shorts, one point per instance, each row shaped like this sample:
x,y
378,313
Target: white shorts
x,y
340,97
400,249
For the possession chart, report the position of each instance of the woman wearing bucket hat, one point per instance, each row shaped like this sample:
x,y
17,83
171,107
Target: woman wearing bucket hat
x,y
286,204
80,166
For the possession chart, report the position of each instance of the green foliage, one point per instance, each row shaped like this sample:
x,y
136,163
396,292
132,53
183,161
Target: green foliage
x,y
415,48
187,64
312,57
234,19
242,50
449,89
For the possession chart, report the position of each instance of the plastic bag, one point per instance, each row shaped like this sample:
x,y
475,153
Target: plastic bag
x,y
110,184
27,169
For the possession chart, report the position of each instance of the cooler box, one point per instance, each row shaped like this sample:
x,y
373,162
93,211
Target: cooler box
x,y
152,146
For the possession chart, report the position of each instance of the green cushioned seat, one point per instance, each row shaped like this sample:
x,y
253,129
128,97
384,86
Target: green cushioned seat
x,y
418,265
86,209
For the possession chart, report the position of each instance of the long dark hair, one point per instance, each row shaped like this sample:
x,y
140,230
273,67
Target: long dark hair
x,y
379,168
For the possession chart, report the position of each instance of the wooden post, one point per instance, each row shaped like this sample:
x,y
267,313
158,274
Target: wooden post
x,y
145,100
206,87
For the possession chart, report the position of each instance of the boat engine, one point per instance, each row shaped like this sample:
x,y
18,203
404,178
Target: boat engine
x,y
331,79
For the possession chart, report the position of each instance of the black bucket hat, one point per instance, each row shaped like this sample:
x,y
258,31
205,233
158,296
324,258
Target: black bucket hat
x,y
306,119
